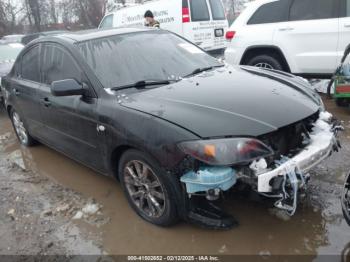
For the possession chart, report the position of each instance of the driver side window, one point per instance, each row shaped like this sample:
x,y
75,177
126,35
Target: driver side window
x,y
58,64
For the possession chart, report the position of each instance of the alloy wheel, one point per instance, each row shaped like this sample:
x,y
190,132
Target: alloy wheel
x,y
144,188
264,65
20,129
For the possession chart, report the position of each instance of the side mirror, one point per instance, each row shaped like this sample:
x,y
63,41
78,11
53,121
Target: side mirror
x,y
67,87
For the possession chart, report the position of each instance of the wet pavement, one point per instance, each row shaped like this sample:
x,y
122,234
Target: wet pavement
x,y
317,228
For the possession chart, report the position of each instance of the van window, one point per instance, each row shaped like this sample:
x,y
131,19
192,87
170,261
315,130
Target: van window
x,y
199,10
270,13
107,22
311,9
217,10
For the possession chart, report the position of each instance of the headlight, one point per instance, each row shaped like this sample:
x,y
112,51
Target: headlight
x,y
225,152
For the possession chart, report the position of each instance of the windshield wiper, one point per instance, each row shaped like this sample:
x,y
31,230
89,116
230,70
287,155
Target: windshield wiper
x,y
202,69
143,84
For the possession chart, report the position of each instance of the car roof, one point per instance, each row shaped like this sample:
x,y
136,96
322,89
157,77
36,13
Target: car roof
x,y
85,35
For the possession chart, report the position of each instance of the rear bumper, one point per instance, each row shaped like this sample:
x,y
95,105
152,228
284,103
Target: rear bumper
x,y
323,142
218,53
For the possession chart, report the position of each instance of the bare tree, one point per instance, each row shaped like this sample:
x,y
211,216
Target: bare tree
x,y
34,7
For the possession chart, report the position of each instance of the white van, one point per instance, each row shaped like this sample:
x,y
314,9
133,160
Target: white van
x,y
202,22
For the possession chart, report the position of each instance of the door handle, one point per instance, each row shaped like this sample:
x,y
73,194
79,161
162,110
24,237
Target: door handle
x,y
283,29
16,92
46,102
347,25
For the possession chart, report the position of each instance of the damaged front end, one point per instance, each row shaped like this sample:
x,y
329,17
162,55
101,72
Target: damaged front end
x,y
275,165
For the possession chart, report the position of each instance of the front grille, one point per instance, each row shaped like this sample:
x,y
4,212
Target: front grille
x,y
288,140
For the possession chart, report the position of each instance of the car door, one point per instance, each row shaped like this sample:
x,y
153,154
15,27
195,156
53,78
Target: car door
x,y
344,28
199,30
71,121
25,85
309,39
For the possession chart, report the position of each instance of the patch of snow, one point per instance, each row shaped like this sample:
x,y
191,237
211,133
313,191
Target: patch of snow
x,y
78,215
259,166
325,116
90,209
109,91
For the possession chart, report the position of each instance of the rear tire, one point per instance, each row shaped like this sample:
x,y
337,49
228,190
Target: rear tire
x,y
150,191
21,132
266,61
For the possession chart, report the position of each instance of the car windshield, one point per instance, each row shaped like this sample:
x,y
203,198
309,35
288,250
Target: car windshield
x,y
156,55
9,52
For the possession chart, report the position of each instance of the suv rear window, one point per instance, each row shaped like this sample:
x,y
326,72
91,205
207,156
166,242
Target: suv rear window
x,y
217,10
312,9
270,13
199,10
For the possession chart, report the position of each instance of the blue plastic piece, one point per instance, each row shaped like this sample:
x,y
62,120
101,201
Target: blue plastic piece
x,y
209,178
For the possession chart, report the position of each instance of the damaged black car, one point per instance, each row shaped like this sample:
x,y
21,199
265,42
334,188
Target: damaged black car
x,y
174,125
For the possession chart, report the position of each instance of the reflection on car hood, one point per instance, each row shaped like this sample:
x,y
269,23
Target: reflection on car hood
x,y
229,101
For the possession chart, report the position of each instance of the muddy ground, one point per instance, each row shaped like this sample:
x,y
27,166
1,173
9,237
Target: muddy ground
x,y
42,190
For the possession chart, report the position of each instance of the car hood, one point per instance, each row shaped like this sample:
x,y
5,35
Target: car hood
x,y
229,101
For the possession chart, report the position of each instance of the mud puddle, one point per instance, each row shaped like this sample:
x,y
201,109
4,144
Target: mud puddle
x,y
317,228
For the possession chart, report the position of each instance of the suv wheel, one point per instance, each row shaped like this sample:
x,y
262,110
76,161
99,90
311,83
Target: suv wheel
x,y
22,134
266,61
149,190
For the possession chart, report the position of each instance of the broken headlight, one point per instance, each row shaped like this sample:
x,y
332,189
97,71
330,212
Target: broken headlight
x,y
225,152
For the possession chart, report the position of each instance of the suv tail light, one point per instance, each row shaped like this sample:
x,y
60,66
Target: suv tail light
x,y
230,35
185,15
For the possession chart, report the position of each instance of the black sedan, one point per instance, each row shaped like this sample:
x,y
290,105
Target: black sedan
x,y
175,126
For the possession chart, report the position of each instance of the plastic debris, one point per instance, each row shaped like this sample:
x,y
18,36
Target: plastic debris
x,y
259,165
207,178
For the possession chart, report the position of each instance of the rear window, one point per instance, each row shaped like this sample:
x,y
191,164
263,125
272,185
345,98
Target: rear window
x,y
107,22
30,65
217,10
270,13
199,10
312,9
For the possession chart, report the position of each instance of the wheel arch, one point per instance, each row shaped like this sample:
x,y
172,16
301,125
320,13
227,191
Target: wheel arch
x,y
271,50
115,157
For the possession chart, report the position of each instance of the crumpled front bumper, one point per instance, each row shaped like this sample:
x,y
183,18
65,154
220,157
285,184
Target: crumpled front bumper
x,y
323,143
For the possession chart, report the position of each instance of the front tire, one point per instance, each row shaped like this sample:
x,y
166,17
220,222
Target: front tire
x,y
266,61
21,132
150,191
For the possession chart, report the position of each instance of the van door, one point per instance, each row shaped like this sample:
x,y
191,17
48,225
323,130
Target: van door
x,y
344,28
309,39
203,26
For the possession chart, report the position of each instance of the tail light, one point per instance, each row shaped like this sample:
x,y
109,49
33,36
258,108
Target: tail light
x,y
185,15
230,35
